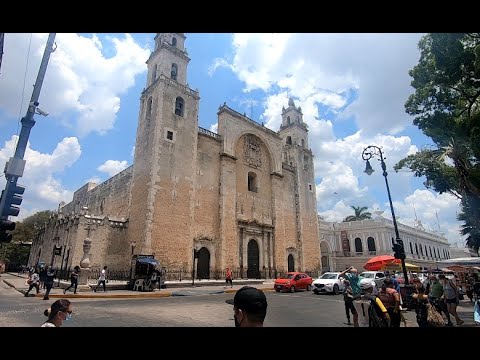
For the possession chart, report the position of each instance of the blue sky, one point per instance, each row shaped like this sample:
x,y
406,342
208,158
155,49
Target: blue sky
x,y
352,89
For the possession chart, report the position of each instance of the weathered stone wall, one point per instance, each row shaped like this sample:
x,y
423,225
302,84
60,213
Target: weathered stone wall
x,y
108,198
173,180
286,236
207,182
255,204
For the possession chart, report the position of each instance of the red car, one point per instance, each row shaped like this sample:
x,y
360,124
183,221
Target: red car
x,y
293,281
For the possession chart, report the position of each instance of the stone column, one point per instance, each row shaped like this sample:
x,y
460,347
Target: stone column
x,y
85,269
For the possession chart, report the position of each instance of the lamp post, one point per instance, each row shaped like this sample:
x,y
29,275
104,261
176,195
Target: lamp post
x,y
133,246
367,154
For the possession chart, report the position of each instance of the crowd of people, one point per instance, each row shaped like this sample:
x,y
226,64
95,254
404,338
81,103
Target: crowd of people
x,y
436,298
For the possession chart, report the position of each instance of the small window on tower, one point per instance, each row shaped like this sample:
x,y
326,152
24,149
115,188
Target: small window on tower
x,y
169,135
303,143
310,187
154,73
305,162
252,182
148,114
288,120
174,41
289,140
174,72
179,104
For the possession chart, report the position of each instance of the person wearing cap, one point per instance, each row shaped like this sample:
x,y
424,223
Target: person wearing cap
x,y
249,307
363,303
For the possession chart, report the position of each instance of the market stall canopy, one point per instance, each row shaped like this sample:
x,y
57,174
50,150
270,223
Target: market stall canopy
x,y
458,268
378,262
466,261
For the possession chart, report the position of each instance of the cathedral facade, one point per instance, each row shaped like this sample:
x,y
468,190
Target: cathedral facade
x,y
243,198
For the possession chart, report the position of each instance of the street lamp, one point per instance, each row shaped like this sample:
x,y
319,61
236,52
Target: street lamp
x,y
367,154
133,245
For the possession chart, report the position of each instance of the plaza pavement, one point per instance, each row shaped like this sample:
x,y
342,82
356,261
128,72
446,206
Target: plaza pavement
x,y
116,290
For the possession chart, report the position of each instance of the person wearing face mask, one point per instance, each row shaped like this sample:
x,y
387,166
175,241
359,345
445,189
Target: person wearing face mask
x,y
60,311
249,307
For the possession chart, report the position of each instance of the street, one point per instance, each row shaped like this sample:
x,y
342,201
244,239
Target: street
x,y
284,310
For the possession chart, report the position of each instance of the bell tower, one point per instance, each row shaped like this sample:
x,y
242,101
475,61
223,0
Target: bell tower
x,y
162,191
296,154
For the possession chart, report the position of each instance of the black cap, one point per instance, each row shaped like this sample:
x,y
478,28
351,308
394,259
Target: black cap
x,y
250,299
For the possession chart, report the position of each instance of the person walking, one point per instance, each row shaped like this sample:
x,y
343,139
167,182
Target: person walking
x,y
33,281
391,300
348,300
420,301
249,307
60,311
370,309
73,280
102,280
450,295
228,277
49,279
437,299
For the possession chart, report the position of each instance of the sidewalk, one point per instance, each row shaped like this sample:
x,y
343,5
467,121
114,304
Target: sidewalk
x,y
116,289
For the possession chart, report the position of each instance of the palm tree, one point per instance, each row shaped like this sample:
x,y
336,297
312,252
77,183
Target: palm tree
x,y
359,214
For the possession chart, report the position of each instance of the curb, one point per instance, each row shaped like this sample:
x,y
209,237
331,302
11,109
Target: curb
x,y
88,295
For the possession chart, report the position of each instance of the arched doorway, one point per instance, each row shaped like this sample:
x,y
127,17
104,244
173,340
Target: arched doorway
x,y
203,264
358,245
371,245
253,256
291,263
325,257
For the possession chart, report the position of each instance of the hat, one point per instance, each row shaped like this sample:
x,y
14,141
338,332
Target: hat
x,y
366,284
250,299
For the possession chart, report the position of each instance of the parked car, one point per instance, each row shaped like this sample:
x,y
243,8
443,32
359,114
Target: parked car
x,y
377,276
328,282
293,281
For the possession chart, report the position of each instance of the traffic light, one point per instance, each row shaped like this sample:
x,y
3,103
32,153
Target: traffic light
x,y
13,200
6,225
399,252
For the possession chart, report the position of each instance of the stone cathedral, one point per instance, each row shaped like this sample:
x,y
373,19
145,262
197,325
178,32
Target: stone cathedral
x,y
243,198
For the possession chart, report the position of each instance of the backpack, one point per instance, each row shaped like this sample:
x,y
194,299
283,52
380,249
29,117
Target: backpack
x,y
376,318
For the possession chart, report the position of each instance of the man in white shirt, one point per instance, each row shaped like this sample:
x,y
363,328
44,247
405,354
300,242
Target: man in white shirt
x,y
102,280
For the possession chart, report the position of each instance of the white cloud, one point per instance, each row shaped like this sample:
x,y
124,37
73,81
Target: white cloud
x,y
113,167
214,128
324,67
94,179
81,87
132,153
218,63
43,191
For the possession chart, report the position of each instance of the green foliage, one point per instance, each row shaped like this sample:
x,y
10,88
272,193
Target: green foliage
x,y
17,252
359,214
446,107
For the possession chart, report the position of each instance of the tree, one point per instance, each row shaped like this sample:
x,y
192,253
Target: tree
x,y
15,252
359,214
445,107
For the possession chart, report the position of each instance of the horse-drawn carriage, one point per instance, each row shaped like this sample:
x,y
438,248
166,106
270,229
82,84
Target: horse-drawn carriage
x,y
146,273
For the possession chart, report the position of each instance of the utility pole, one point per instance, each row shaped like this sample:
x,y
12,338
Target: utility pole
x,y
11,197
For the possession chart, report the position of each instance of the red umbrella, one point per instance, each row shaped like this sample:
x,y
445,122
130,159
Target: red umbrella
x,y
378,262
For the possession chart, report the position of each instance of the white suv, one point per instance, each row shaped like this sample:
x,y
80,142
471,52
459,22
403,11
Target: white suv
x,y
328,283
377,276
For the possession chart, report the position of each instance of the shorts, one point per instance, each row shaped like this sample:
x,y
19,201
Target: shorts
x,y
451,301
